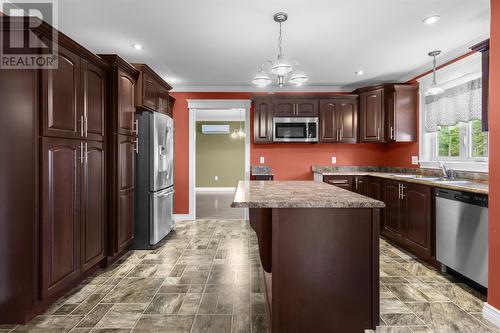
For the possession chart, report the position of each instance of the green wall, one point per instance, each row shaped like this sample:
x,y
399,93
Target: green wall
x,y
219,155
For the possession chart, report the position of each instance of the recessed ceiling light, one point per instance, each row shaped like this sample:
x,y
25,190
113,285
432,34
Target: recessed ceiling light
x,y
171,81
137,46
360,72
432,19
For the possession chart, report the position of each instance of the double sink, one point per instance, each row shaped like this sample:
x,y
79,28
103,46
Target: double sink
x,y
438,180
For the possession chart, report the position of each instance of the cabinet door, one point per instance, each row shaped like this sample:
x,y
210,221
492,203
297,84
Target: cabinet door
x,y
360,185
348,121
262,121
126,103
93,217
307,107
371,113
126,188
284,108
417,214
93,83
62,116
373,188
61,165
328,121
163,97
392,226
151,93
390,105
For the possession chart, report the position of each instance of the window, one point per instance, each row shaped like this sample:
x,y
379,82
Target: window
x,y
451,123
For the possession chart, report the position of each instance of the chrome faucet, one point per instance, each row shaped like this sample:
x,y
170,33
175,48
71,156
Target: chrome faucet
x,y
447,172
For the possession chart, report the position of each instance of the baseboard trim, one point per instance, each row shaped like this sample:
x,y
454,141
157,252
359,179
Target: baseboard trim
x,y
215,189
491,314
182,217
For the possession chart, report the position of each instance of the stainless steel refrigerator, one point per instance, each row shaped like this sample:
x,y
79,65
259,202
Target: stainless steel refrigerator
x,y
154,179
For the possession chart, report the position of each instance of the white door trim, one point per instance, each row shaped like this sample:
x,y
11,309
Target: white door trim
x,y
199,104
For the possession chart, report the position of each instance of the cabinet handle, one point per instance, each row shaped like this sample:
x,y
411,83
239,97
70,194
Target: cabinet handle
x,y
86,153
403,195
340,134
357,180
337,135
136,146
378,133
399,194
392,133
82,126
136,128
86,126
81,152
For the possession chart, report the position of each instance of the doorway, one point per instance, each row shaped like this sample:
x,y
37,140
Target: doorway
x,y
219,156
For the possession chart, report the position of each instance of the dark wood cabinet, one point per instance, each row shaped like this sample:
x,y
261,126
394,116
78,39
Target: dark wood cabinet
x,y
94,92
263,110
484,48
151,90
121,153
407,218
124,187
93,203
373,188
60,252
401,103
360,185
417,218
371,116
392,222
388,113
62,113
296,107
339,120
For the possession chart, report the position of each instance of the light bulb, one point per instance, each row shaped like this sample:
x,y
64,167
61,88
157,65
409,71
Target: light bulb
x,y
282,67
234,135
299,78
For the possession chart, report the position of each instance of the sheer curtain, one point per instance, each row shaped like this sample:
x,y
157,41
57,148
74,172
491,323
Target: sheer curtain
x,y
461,103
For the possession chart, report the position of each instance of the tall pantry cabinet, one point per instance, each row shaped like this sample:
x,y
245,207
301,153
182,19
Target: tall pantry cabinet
x,y
122,149
53,215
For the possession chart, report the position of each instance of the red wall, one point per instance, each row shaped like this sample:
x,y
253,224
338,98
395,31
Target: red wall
x,y
288,161
494,159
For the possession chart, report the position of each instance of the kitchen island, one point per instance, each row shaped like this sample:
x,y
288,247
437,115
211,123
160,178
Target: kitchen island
x,y
319,247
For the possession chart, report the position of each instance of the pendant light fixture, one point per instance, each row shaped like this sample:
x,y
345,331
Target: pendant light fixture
x,y
238,133
434,88
282,70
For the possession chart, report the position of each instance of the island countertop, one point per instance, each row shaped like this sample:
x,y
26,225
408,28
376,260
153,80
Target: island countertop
x,y
298,194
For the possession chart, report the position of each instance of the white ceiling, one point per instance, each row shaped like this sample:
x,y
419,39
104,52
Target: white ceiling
x,y
218,45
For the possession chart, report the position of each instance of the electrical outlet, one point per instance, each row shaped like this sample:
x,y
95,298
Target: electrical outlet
x,y
216,178
262,160
414,160
334,159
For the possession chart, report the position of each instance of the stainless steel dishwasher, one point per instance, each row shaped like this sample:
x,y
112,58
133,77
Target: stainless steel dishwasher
x,y
462,233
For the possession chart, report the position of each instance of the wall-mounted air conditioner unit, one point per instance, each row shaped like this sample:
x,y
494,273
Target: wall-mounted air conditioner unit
x,y
215,129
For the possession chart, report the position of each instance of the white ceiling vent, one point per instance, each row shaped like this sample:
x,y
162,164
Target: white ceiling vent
x,y
214,129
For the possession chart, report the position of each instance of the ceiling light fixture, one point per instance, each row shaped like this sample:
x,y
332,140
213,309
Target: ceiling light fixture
x,y
360,72
282,70
431,20
137,46
434,89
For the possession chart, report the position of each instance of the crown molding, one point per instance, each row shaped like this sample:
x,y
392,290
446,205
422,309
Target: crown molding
x,y
444,58
253,89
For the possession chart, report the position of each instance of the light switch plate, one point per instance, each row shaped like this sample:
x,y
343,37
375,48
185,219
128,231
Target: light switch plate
x,y
414,160
262,160
334,159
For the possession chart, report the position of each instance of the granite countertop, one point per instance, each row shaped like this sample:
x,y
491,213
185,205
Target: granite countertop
x,y
471,186
298,194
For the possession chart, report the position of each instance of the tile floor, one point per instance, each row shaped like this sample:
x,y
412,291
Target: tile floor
x,y
217,205
206,277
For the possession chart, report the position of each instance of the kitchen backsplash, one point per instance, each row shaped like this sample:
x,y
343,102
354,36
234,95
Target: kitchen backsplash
x,y
473,176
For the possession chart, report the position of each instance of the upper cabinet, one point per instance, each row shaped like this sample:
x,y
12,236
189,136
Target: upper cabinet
x,y
371,116
339,120
297,107
151,90
484,48
388,113
263,109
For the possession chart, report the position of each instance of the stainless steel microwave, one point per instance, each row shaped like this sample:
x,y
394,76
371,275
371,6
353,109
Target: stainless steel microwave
x,y
295,129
